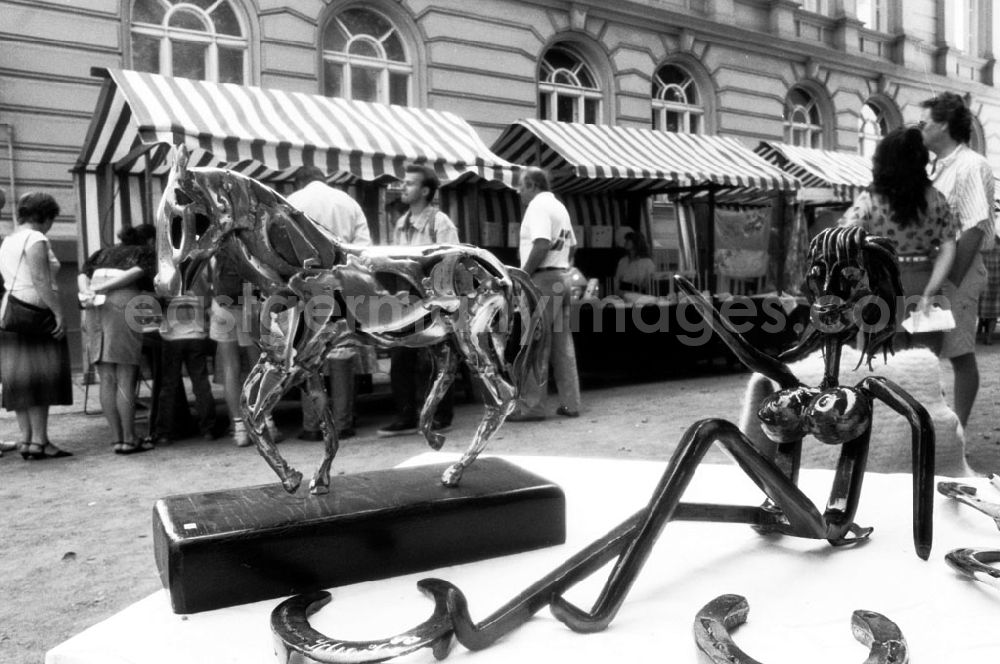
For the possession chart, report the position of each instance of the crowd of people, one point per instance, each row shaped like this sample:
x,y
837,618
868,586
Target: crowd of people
x,y
938,214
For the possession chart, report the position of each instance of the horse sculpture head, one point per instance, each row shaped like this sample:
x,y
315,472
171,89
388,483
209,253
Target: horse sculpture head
x,y
852,286
207,210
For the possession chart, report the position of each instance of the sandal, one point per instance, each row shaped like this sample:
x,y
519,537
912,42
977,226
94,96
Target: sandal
x,y
117,447
135,447
40,451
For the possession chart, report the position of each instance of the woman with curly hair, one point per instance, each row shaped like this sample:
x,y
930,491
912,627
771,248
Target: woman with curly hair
x,y
109,282
903,206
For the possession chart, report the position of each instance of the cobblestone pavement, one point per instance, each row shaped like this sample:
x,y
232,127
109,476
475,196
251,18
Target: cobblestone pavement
x,y
75,537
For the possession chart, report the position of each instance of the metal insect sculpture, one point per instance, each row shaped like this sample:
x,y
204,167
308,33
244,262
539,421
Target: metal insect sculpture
x,y
850,272
459,301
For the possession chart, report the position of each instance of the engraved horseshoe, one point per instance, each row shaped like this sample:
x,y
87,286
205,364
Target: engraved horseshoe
x,y
296,640
713,622
975,564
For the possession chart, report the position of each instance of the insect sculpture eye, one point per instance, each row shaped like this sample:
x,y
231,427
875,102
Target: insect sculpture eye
x,y
816,279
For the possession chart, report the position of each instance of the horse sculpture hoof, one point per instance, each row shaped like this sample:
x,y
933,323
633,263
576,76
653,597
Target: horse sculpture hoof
x,y
452,475
435,440
292,481
319,486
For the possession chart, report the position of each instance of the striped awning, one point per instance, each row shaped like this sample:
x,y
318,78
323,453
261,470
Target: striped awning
x,y
843,174
268,134
599,158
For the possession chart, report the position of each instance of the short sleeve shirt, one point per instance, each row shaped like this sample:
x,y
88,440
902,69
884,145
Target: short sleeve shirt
x,y
966,180
934,227
546,218
431,226
125,257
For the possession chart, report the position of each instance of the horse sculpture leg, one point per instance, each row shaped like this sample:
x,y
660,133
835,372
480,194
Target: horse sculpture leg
x,y
501,401
261,392
317,386
445,365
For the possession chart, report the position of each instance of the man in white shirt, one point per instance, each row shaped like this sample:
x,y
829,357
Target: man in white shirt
x,y
340,214
966,179
422,223
547,245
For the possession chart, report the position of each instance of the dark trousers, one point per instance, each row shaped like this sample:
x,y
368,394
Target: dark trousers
x,y
172,409
410,377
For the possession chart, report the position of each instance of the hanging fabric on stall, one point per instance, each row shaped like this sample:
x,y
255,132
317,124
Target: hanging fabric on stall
x,y
741,239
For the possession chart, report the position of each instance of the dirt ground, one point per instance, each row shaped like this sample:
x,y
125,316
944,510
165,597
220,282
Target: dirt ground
x,y
75,535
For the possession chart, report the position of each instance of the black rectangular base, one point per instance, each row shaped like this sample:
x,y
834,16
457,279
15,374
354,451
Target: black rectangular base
x,y
230,547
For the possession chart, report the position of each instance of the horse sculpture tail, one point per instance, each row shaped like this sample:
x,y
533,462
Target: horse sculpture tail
x,y
536,333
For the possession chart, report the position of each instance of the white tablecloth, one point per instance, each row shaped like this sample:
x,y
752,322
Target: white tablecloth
x,y
801,592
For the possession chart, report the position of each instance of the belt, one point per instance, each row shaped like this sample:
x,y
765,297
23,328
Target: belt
x,y
913,258
549,269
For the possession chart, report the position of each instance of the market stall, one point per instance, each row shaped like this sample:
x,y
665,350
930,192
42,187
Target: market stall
x,y
712,209
267,134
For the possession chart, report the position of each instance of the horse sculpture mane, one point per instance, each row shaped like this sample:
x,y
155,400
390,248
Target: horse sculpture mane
x,y
458,301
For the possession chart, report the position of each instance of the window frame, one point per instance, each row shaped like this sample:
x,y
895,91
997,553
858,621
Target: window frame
x,y
661,107
349,61
814,131
877,19
553,91
881,121
167,35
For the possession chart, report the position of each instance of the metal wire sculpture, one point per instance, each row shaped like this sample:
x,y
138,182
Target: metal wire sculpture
x,y
853,277
458,301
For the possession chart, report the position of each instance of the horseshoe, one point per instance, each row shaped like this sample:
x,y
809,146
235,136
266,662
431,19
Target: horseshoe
x,y
964,493
713,622
296,640
975,564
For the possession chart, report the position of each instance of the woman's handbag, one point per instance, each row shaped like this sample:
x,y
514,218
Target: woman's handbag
x,y
23,318
27,319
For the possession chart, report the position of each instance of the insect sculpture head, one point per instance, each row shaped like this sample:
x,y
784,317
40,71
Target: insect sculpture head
x,y
852,286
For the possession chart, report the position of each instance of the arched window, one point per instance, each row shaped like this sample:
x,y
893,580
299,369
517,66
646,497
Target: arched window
x,y
200,39
365,58
568,91
872,126
676,102
803,123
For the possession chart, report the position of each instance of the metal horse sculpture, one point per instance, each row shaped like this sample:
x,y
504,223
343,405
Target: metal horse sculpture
x,y
852,277
457,300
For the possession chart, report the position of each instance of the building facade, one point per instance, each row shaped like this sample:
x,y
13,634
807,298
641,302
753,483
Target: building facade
x,y
833,74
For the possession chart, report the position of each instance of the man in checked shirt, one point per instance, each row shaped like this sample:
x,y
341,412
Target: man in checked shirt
x,y
966,180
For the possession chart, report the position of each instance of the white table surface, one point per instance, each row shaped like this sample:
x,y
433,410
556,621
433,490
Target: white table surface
x,y
801,592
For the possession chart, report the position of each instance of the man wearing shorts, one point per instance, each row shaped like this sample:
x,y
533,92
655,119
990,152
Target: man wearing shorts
x,y
965,178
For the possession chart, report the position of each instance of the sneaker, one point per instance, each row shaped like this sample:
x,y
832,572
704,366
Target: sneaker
x,y
272,429
525,417
398,428
240,435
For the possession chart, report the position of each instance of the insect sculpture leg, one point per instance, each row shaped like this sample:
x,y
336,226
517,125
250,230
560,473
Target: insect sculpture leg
x,y
262,390
798,517
445,365
922,428
318,392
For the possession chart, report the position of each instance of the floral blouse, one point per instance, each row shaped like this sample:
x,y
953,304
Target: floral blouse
x,y
125,257
934,227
